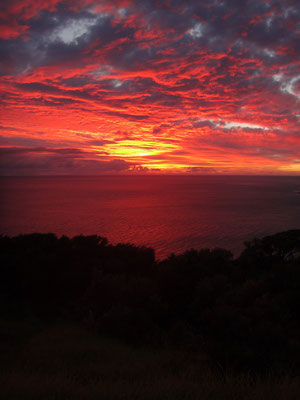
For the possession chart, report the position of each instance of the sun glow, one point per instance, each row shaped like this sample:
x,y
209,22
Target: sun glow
x,y
139,148
291,168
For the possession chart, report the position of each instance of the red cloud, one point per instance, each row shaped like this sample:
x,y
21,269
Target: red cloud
x,y
187,96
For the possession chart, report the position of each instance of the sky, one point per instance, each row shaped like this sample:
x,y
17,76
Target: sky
x,y
150,87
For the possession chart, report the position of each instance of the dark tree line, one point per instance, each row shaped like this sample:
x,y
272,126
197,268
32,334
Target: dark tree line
x,y
242,313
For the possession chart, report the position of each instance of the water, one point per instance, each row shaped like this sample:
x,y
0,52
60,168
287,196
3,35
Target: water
x,y
168,213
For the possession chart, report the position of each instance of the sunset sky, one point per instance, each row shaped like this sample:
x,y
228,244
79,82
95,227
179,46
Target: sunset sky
x,y
137,86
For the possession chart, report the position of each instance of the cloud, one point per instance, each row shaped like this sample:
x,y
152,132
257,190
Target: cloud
x,y
11,129
41,160
218,80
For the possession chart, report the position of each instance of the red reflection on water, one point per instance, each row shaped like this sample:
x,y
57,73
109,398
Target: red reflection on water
x,y
169,213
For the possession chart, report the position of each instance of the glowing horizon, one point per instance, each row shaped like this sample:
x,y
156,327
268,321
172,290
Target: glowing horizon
x,y
130,87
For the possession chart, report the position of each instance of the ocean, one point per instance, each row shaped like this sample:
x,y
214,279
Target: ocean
x,y
169,213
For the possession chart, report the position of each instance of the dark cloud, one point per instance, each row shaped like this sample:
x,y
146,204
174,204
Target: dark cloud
x,y
49,40
11,129
203,124
202,170
30,142
28,161
28,150
157,129
131,117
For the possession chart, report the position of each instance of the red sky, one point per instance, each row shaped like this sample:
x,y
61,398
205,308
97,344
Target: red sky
x,y
139,86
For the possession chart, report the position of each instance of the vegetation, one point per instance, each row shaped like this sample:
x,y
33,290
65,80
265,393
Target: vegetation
x,y
66,362
83,319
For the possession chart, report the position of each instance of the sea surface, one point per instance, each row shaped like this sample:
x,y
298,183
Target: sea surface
x,y
168,213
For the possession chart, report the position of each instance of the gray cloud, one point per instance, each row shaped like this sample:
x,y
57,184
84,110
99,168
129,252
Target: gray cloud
x,y
47,161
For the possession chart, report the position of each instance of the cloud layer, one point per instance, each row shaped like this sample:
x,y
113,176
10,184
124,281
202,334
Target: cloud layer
x,y
129,86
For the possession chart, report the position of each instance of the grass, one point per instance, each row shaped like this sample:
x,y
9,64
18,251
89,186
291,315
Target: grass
x,y
67,362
